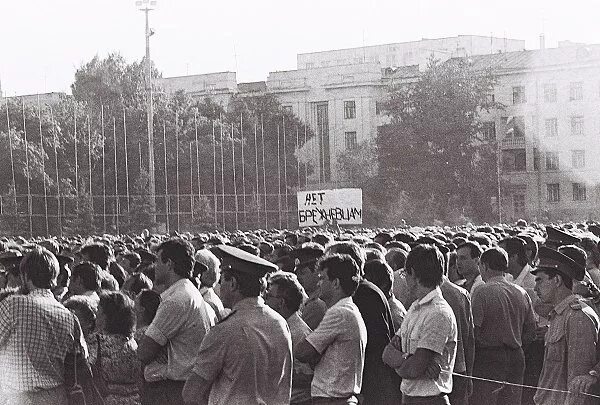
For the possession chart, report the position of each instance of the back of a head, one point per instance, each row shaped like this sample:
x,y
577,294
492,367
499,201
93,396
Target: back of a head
x,y
97,253
289,288
89,274
515,246
212,263
380,273
322,239
396,258
373,254
425,262
181,253
134,259
351,249
474,248
41,267
149,300
496,259
136,283
119,313
118,273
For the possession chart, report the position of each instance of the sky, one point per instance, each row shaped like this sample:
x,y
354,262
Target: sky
x,y
42,43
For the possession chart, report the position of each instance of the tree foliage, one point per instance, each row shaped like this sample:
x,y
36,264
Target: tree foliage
x,y
431,149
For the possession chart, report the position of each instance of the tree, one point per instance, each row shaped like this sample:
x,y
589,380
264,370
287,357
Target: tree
x,y
431,149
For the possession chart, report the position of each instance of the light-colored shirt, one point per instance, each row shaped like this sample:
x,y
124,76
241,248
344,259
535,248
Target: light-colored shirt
x,y
570,351
36,333
212,299
181,321
398,312
502,314
430,324
341,339
302,374
248,357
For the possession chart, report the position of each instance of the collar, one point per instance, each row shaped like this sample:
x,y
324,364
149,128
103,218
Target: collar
x,y
175,286
564,304
343,301
247,303
497,278
430,297
41,292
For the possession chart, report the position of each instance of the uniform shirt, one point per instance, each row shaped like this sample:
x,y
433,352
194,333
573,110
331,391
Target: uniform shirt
x,y
248,357
570,349
341,339
430,324
459,300
302,374
502,314
313,311
36,333
181,321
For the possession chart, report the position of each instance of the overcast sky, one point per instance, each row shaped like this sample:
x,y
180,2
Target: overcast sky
x,y
42,43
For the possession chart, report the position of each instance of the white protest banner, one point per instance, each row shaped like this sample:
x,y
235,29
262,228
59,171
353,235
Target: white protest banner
x,y
317,207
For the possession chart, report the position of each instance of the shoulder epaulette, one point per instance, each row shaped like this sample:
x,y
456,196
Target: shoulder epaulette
x,y
226,318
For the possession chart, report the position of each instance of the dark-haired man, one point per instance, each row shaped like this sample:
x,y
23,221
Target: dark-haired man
x,y
305,259
182,320
467,261
36,335
426,341
85,281
337,346
247,357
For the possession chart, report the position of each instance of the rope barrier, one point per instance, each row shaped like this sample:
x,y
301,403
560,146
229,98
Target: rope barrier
x,y
524,386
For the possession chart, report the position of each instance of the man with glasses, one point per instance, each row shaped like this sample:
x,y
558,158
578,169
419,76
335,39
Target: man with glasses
x,y
572,334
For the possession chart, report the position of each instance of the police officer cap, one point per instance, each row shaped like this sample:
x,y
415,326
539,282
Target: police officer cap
x,y
236,259
559,237
554,260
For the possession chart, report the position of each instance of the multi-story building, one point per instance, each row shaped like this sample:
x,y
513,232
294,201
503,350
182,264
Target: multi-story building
x,y
548,134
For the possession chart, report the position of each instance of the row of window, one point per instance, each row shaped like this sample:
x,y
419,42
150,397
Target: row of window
x,y
519,95
515,160
515,127
553,192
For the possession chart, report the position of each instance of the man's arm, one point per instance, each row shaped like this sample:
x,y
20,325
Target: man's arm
x,y
196,390
417,365
581,338
147,350
306,353
393,355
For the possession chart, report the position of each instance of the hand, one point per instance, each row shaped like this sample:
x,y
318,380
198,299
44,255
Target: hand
x,y
433,371
396,342
582,383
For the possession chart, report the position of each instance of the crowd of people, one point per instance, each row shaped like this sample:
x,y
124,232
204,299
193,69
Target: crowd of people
x,y
503,314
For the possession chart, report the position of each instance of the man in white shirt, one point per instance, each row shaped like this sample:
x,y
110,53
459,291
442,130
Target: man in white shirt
x,y
423,351
337,345
181,321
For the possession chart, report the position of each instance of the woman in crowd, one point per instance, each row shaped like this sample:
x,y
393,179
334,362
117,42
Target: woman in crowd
x,y
113,355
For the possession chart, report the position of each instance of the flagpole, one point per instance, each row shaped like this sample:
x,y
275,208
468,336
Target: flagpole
x,y
43,167
197,153
177,165
191,182
166,181
214,142
262,138
297,160
116,177
126,162
243,169
55,138
235,205
103,170
75,146
27,171
285,183
222,173
90,162
306,162
10,146
257,176
278,179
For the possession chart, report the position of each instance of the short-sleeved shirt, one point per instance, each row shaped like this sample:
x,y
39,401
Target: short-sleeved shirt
x,y
36,333
181,321
570,350
503,314
248,357
430,324
341,339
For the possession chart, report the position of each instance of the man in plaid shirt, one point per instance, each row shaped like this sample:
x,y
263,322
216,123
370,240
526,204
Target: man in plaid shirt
x,y
36,333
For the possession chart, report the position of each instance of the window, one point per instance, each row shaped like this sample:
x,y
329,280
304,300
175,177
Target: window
x,y
551,127
519,204
550,93
350,138
519,95
519,127
578,159
536,159
488,130
551,160
553,192
514,160
577,126
579,192
349,109
576,91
